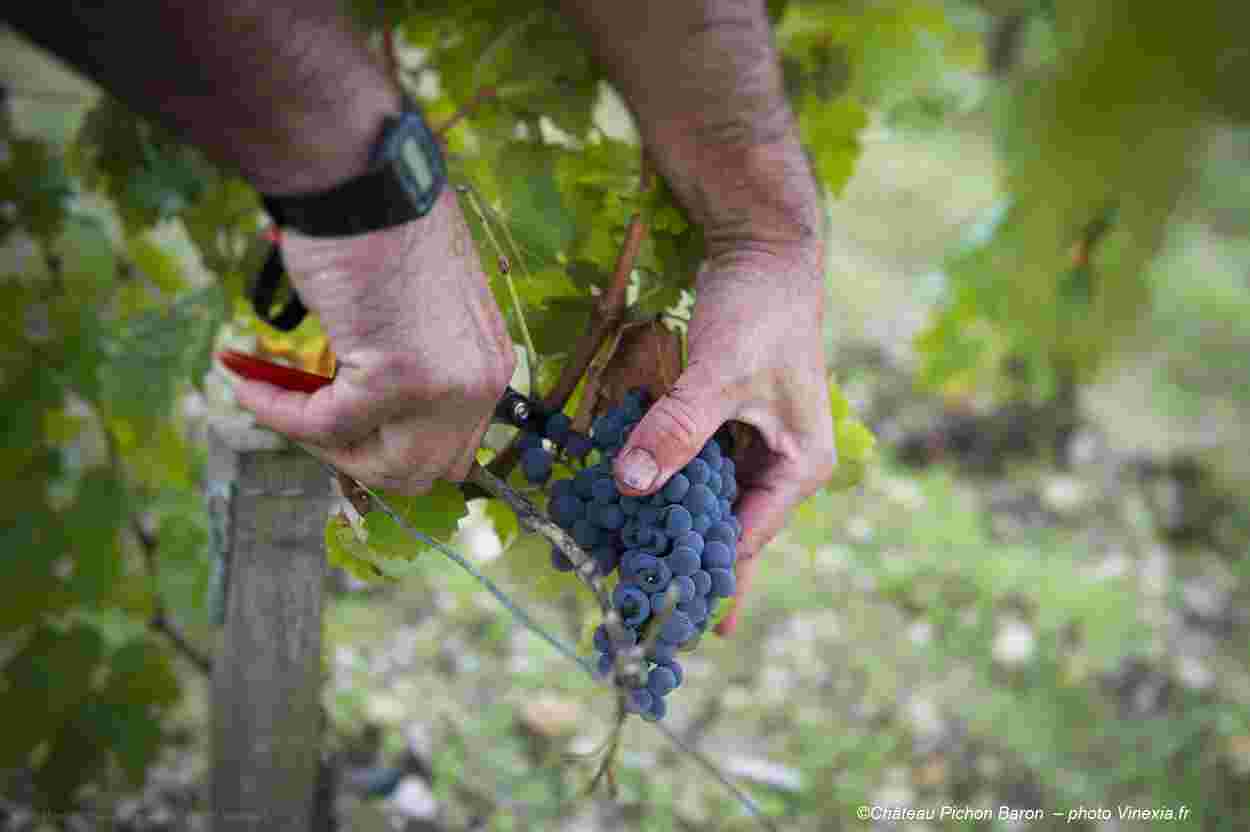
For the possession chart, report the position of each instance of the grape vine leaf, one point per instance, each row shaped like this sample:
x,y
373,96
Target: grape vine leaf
x,y
436,514
45,682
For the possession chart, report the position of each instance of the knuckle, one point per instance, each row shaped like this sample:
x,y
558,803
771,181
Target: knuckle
x,y
675,419
333,426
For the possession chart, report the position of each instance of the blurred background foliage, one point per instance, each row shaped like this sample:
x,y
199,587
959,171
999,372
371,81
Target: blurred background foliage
x,y
1039,266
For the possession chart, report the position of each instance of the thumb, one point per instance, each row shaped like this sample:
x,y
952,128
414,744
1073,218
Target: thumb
x,y
672,432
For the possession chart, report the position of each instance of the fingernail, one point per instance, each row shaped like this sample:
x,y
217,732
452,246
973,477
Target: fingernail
x,y
638,469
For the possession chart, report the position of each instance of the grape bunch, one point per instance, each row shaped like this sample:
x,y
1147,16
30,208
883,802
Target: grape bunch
x,y
674,551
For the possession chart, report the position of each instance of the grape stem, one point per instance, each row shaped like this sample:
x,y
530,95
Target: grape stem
x,y
531,519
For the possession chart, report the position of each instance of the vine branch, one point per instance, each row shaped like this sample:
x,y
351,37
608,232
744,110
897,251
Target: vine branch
x,y
611,307
160,620
605,319
481,97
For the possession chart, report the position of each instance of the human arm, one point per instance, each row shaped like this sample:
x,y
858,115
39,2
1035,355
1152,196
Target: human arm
x,y
291,96
704,83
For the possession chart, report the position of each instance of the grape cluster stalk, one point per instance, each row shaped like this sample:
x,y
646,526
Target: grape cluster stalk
x,y
673,552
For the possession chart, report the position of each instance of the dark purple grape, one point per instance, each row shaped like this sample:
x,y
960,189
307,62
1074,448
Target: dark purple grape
x,y
654,577
528,439
634,560
577,445
609,517
703,522
536,465
586,533
723,583
661,651
684,561
696,608
557,428
584,483
711,454
638,700
604,491
692,539
717,556
675,489
661,681
607,558
630,505
722,531
656,542
632,603
566,510
677,521
697,471
700,500
702,582
685,588
678,629
714,482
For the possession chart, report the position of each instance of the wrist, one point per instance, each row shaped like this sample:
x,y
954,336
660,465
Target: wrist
x,y
748,194
324,145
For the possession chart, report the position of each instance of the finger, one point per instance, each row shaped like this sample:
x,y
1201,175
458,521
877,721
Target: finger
x,y
459,471
762,510
744,572
362,462
672,432
323,418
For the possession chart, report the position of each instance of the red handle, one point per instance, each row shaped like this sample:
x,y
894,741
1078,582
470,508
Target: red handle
x,y
258,369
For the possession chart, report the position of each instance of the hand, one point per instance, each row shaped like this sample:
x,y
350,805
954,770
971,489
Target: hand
x,y
422,352
756,356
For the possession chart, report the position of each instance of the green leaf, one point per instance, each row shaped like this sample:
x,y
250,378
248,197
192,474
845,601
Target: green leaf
x,y
157,265
536,212
347,552
838,405
503,520
45,683
36,541
140,672
832,131
856,442
92,524
33,178
436,514
86,260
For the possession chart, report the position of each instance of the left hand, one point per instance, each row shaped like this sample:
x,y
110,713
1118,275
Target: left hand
x,y
756,352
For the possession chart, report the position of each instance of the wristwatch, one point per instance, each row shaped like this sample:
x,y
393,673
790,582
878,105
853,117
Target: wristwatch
x,y
405,177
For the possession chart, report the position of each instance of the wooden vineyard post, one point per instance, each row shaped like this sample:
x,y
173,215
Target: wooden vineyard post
x,y
266,691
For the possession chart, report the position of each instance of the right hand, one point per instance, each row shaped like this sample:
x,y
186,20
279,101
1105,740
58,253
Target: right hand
x,y
422,352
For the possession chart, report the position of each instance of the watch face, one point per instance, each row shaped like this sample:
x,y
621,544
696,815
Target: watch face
x,y
417,163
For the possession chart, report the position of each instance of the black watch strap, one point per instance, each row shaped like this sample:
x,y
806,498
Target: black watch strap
x,y
264,291
383,197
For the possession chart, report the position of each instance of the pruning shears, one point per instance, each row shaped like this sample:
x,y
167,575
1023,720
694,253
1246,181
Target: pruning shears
x,y
513,408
